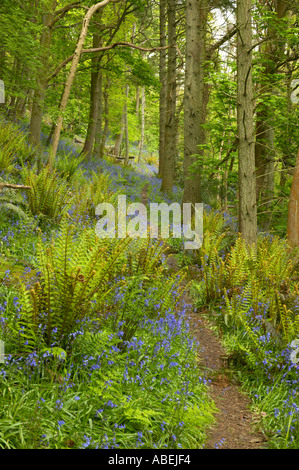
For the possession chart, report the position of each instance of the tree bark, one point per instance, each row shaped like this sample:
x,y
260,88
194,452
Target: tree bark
x,y
163,84
141,144
94,100
127,127
247,182
106,120
35,125
264,147
196,96
293,213
119,137
170,137
99,123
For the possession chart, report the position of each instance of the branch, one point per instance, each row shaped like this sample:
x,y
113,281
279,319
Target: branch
x,y
13,186
228,153
291,58
108,48
59,14
231,32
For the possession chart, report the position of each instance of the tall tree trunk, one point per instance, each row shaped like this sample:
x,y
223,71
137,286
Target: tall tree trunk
x,y
2,72
137,101
264,147
35,125
106,119
127,127
94,102
247,182
141,144
119,137
94,94
195,96
98,131
293,214
71,76
163,84
170,137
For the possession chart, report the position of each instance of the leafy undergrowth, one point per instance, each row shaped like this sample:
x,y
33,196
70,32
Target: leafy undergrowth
x,y
97,348
252,298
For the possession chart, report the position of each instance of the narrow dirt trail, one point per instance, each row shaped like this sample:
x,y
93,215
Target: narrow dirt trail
x,y
234,421
234,426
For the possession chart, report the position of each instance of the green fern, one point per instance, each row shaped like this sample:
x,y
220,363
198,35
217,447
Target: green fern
x,y
74,270
49,196
14,201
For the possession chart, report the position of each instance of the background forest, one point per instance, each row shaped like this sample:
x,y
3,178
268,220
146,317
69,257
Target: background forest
x,y
170,101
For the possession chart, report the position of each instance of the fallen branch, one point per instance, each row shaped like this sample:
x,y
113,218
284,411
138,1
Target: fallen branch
x,y
13,186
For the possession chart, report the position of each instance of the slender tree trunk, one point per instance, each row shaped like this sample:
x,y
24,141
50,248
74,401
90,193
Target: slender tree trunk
x,y
94,105
247,182
71,76
98,132
2,72
264,147
94,95
120,136
35,125
195,96
106,119
127,127
170,137
293,214
287,143
141,144
163,84
137,101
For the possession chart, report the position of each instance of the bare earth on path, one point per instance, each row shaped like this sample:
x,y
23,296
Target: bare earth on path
x,y
233,428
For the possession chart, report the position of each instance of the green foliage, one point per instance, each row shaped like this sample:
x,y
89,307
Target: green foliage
x,y
49,196
150,296
89,193
67,166
13,200
73,270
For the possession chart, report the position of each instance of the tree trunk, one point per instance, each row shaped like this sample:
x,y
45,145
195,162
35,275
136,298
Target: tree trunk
x,y
94,101
293,214
106,120
119,137
170,137
264,147
195,96
127,127
141,144
95,92
71,76
35,125
98,132
163,84
247,182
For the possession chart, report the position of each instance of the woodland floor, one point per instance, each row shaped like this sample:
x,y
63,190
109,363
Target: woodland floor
x,y
234,427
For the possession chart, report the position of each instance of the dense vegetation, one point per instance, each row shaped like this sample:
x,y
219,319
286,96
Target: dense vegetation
x,y
98,348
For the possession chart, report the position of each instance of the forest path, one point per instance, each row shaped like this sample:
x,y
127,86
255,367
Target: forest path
x,y
234,426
